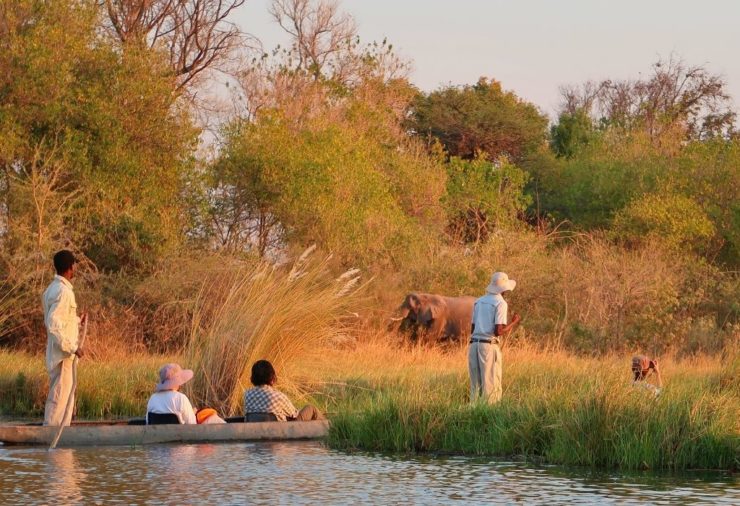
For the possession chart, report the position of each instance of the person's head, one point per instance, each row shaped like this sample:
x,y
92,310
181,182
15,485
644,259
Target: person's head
x,y
500,283
172,377
64,263
641,366
263,373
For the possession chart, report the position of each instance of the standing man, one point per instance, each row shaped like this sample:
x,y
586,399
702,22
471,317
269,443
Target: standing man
x,y
489,324
62,333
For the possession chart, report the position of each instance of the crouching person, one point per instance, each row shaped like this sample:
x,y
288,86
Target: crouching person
x,y
264,403
642,367
167,405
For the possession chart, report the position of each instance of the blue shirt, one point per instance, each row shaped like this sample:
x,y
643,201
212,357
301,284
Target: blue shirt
x,y
489,311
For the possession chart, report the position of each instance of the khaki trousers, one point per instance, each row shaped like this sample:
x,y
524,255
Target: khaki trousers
x,y
308,413
485,367
60,389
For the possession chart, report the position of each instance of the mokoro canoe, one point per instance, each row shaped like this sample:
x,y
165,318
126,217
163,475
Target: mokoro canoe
x,y
123,433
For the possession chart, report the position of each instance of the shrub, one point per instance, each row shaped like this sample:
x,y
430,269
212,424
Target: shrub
x,y
676,220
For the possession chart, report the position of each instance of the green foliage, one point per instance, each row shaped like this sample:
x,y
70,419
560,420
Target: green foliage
x,y
483,196
589,188
554,411
480,118
324,184
674,219
571,133
95,150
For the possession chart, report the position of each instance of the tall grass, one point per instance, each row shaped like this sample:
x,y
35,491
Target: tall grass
x,y
261,311
557,408
106,389
9,297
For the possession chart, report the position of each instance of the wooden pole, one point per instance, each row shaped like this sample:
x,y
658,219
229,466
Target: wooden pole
x,y
70,401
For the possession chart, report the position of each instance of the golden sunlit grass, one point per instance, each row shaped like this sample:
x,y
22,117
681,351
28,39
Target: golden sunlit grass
x,y
557,407
262,312
381,396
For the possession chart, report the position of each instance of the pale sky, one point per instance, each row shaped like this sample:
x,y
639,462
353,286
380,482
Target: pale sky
x,y
534,46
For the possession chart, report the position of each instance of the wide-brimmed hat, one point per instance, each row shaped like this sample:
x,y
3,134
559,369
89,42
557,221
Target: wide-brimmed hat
x,y
172,376
500,283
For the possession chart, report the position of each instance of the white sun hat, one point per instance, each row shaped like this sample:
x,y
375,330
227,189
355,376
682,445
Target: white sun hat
x,y
172,376
500,283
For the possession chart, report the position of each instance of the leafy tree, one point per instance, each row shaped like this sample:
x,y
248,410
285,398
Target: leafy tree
x,y
95,150
675,220
479,118
323,184
483,196
571,133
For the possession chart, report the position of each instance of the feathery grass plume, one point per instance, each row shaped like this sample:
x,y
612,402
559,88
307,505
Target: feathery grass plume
x,y
9,297
261,311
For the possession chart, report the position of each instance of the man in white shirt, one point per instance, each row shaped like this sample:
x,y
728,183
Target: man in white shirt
x,y
62,334
489,324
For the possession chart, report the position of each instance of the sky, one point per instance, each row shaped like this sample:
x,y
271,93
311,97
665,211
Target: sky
x,y
535,46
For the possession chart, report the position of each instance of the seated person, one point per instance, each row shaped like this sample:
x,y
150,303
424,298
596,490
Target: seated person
x,y
206,416
166,399
642,367
264,399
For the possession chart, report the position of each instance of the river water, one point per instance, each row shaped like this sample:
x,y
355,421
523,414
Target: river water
x,y
309,473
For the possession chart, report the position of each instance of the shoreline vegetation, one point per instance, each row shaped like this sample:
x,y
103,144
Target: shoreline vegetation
x,y
557,408
619,218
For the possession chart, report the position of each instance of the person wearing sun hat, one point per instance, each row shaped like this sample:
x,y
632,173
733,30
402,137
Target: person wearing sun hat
x,y
166,398
490,323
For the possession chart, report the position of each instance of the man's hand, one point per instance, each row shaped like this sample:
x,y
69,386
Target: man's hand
x,y
80,353
516,318
655,366
83,318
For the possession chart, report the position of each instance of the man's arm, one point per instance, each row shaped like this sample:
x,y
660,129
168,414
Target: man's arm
x,y
504,330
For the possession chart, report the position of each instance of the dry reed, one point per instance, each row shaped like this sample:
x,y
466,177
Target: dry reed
x,y
260,311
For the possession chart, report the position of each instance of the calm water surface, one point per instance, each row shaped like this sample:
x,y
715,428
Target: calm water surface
x,y
309,473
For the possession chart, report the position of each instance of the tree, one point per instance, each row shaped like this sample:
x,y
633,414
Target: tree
x,y
571,133
676,97
196,34
479,118
322,35
483,196
95,153
675,220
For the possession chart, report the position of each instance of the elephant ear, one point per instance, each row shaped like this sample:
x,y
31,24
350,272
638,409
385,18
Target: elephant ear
x,y
429,313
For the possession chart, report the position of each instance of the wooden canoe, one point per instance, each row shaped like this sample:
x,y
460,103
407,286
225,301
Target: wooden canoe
x,y
106,434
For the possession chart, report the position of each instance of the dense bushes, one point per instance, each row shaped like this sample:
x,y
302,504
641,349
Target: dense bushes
x,y
637,220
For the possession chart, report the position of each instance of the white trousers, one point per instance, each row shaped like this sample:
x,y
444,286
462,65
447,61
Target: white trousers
x,y
485,367
60,389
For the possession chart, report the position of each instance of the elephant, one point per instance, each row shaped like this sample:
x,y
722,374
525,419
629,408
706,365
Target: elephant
x,y
434,317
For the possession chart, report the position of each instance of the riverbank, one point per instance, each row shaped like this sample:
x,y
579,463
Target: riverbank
x,y
557,408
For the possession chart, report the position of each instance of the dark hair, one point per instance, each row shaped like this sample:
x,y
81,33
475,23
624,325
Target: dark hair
x,y
263,373
63,261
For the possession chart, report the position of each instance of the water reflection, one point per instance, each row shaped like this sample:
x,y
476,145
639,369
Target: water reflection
x,y
308,473
63,477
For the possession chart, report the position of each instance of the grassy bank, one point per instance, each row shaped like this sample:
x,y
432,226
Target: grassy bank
x,y
557,408
106,389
